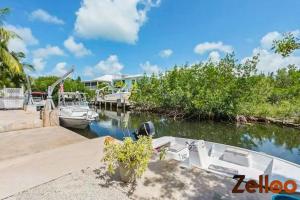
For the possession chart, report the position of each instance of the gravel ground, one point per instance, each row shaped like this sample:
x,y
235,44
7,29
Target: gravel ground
x,y
79,185
162,180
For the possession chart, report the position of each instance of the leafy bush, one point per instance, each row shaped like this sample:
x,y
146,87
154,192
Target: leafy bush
x,y
131,155
221,90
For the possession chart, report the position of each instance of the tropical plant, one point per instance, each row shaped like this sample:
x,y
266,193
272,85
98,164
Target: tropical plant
x,y
11,68
129,156
7,58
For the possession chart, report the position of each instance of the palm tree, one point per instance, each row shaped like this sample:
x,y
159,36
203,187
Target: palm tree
x,y
8,59
11,68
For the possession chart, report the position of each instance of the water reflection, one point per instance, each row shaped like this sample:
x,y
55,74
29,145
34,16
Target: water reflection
x,y
112,123
282,142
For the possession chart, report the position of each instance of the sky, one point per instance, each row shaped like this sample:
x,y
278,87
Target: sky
x,y
101,37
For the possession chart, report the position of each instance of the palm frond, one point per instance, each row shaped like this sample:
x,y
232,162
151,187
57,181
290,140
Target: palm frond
x,y
5,35
18,55
4,11
28,66
10,61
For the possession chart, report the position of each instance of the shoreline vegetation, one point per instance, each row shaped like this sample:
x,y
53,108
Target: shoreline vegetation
x,y
224,90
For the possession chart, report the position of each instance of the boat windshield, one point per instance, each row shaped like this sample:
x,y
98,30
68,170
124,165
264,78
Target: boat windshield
x,y
37,99
76,103
73,99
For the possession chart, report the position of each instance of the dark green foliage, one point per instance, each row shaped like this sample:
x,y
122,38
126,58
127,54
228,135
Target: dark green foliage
x,y
221,90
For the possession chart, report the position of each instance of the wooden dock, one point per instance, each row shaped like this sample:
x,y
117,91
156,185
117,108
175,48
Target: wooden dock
x,y
117,100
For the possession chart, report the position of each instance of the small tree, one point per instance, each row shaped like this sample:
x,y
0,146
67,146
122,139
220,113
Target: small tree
x,y
287,45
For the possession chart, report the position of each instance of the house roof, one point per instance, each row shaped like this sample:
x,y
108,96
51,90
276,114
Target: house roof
x,y
134,76
111,77
107,78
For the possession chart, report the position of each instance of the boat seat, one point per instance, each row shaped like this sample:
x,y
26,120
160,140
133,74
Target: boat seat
x,y
177,148
178,152
223,169
236,156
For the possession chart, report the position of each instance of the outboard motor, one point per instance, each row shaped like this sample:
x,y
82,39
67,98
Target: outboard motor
x,y
146,129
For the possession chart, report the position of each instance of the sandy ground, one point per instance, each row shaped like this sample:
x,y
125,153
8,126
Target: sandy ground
x,y
163,180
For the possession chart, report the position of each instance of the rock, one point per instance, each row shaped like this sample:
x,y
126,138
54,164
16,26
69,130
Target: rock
x,y
241,119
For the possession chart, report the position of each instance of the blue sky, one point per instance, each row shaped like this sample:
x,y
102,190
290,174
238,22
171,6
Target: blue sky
x,y
136,36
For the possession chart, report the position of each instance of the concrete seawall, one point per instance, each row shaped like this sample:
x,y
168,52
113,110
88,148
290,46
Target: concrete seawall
x,y
31,154
12,120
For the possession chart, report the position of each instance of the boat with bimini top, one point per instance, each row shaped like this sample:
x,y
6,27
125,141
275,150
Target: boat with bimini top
x,y
74,111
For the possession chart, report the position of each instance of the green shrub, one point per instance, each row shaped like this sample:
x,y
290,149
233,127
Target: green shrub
x,y
226,88
132,155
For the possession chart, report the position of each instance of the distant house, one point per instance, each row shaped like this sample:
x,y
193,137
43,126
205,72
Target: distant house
x,y
128,81
92,84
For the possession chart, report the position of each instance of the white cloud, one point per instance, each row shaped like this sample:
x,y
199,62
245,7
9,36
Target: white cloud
x,y
118,20
148,68
166,53
110,66
39,64
44,16
270,61
214,56
40,55
60,69
210,46
89,72
78,49
267,41
26,39
296,33
48,51
17,45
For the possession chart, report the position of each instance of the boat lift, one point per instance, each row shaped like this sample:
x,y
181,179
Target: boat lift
x,y
49,102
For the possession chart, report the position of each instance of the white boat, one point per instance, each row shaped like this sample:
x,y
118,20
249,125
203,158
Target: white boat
x,y
75,113
228,160
39,99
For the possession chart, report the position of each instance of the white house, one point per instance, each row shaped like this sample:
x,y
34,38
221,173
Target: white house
x,y
111,79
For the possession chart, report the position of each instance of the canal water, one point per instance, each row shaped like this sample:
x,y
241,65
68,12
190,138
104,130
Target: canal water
x,y
282,142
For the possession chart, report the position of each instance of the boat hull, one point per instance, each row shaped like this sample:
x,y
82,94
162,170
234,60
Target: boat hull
x,y
74,123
